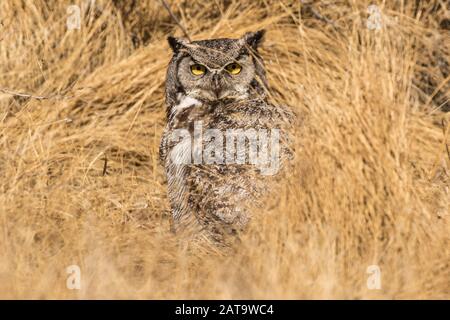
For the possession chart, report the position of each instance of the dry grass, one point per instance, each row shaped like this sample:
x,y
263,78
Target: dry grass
x,y
369,184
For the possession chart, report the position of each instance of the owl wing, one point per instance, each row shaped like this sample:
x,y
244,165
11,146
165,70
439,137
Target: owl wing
x,y
163,146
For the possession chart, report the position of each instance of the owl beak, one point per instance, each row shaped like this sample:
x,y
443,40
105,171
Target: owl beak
x,y
216,85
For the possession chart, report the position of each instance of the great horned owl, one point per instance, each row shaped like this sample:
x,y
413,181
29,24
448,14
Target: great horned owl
x,y
218,122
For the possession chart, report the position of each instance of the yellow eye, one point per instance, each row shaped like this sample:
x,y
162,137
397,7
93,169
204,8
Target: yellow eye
x,y
198,69
233,68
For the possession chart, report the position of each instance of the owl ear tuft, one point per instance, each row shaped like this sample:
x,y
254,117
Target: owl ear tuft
x,y
254,39
177,43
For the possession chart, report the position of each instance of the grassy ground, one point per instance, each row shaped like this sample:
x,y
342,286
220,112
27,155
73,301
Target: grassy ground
x,y
369,183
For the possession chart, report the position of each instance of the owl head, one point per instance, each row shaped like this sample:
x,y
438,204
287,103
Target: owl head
x,y
216,69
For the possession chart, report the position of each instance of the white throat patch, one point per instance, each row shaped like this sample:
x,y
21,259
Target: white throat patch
x,y
185,102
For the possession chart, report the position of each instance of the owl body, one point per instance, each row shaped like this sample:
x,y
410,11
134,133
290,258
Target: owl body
x,y
219,123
